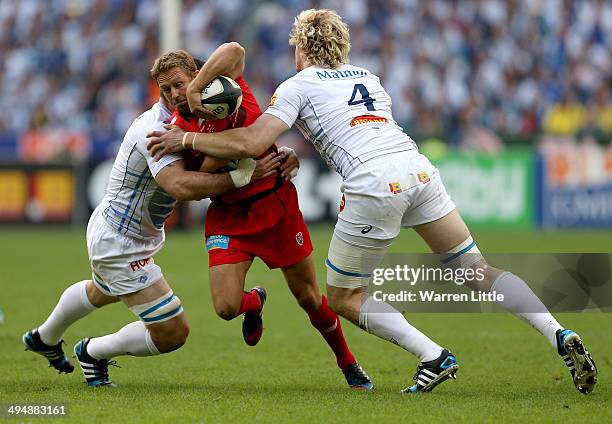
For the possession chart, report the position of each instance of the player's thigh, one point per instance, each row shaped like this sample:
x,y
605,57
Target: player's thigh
x,y
444,234
302,281
227,284
97,297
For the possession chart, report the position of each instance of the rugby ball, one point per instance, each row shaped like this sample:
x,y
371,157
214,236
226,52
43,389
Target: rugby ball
x,y
222,97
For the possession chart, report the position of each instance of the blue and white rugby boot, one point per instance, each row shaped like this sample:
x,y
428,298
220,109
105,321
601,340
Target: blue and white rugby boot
x,y
357,378
54,354
430,374
94,370
577,359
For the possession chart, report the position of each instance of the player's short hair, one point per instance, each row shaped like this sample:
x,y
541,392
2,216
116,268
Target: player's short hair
x,y
174,59
322,37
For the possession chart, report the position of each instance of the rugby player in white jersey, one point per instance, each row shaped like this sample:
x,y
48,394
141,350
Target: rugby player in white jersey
x,y
124,233
387,184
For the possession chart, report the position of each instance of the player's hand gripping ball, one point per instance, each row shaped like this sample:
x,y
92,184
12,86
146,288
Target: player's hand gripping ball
x,y
222,97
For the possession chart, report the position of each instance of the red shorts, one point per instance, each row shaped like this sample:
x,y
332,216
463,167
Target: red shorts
x,y
271,228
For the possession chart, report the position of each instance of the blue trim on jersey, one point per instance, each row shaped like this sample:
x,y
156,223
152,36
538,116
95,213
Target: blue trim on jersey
x,y
122,215
166,315
156,307
461,252
347,273
133,174
134,192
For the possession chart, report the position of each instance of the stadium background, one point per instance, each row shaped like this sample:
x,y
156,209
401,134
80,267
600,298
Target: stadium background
x,y
511,99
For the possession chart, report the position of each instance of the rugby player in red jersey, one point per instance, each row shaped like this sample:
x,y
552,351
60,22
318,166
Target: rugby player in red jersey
x,y
261,219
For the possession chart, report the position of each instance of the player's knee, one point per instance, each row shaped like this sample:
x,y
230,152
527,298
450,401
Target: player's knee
x,y
179,335
308,301
165,320
467,256
490,275
484,276
170,336
227,310
336,300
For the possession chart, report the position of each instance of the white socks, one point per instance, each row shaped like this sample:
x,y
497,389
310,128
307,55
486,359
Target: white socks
x,y
522,302
133,339
72,306
384,321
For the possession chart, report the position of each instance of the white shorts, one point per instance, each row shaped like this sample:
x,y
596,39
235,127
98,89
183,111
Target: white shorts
x,y
393,191
121,264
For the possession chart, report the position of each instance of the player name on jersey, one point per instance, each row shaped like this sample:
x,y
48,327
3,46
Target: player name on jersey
x,y
349,73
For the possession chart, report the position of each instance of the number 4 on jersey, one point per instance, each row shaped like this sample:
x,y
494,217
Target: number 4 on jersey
x,y
365,97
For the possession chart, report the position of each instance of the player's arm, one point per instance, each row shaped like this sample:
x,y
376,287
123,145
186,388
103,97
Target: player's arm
x,y
228,60
193,185
211,164
246,142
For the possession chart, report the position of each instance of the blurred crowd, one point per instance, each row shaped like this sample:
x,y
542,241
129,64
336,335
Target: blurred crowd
x,y
454,69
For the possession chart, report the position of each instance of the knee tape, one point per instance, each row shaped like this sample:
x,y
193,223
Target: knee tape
x,y
464,255
159,310
350,266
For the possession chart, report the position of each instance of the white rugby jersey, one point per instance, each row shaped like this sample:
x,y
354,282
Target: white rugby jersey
x,y
134,204
345,113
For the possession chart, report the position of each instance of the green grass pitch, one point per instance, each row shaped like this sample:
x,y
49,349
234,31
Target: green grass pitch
x,y
508,373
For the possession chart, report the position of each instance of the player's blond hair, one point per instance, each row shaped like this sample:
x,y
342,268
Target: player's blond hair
x,y
322,37
174,59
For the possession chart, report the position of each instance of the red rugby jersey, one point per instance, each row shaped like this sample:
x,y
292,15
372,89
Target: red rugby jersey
x,y
246,114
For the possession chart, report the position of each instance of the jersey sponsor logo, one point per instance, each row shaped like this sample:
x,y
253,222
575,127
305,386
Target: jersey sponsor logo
x,y
350,73
299,238
423,177
273,99
217,242
395,188
139,264
368,119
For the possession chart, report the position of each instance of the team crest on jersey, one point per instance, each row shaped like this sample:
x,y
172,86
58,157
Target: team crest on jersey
x,y
273,99
217,242
368,119
299,238
423,177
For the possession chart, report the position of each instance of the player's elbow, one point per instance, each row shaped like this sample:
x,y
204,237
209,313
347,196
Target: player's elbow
x,y
234,52
179,189
180,194
254,144
235,49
